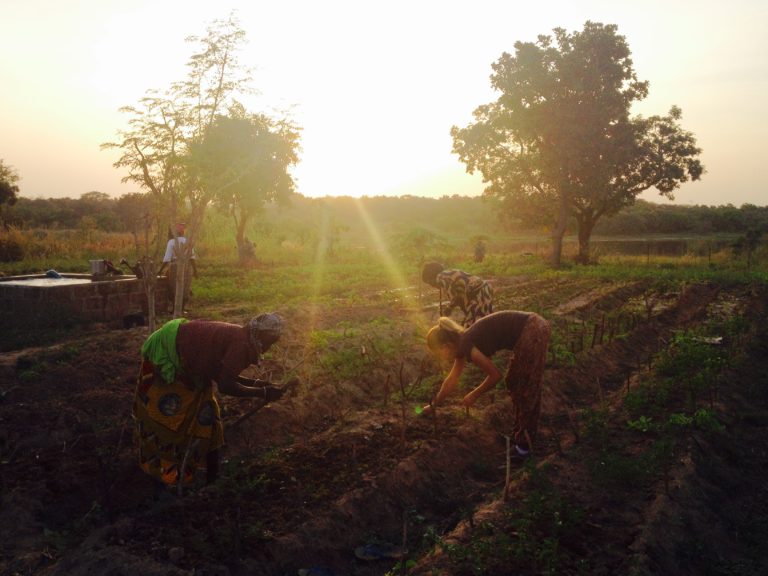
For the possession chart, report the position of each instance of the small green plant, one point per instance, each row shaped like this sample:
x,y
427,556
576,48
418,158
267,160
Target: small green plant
x,y
705,419
643,424
649,398
560,354
596,424
30,374
257,531
399,569
58,540
695,362
426,388
678,420
529,536
616,471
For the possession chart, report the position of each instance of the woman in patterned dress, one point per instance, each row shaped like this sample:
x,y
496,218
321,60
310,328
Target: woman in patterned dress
x,y
178,421
471,294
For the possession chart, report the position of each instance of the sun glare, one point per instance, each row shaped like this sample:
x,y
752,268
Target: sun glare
x,y
397,278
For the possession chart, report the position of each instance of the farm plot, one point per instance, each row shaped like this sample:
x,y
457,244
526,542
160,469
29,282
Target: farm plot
x,y
344,462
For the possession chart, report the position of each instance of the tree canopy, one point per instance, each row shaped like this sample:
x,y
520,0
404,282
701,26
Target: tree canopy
x,y
158,149
9,188
559,141
245,158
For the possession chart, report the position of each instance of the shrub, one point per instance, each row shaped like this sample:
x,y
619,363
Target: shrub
x,y
11,250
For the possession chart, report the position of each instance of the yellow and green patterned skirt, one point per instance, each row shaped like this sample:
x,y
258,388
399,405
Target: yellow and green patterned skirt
x,y
177,425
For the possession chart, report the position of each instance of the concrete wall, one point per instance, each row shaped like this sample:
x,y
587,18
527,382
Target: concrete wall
x,y
108,300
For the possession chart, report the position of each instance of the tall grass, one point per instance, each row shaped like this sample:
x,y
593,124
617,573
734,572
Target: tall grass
x,y
64,250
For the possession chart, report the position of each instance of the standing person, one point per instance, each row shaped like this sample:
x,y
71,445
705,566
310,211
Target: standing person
x,y
526,334
170,258
471,294
247,251
178,422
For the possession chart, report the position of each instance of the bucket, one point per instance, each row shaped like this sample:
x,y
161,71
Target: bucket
x,y
98,267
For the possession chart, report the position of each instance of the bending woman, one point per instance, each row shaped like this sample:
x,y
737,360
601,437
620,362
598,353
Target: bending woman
x,y
471,294
526,334
178,421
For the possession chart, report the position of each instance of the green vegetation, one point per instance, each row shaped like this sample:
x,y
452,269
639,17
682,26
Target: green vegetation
x,y
665,409
528,539
9,187
540,159
670,406
455,221
348,351
352,345
287,274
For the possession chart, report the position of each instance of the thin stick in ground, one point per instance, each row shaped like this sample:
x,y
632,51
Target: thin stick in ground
x,y
506,479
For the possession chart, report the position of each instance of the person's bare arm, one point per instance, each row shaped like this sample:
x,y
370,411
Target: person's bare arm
x,y
492,376
241,387
448,385
253,382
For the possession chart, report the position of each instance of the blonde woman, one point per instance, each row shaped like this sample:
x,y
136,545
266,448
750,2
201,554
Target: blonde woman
x,y
526,334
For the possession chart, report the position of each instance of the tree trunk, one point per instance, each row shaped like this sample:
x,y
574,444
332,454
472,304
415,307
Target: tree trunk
x,y
240,238
149,277
586,225
149,282
181,287
244,253
558,233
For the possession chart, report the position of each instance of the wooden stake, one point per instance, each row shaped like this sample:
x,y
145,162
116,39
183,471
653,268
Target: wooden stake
x,y
183,470
600,393
506,480
404,558
386,390
402,406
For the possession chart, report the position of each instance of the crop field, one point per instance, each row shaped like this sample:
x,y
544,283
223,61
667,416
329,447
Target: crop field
x,y
651,456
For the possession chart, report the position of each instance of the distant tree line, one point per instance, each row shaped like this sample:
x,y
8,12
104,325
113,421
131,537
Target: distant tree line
x,y
9,186
448,215
649,218
66,213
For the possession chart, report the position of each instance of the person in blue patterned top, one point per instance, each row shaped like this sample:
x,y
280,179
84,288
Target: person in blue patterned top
x,y
471,294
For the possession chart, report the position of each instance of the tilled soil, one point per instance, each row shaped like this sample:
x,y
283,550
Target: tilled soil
x,y
342,464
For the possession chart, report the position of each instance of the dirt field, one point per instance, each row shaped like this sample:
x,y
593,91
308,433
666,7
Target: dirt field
x,y
343,464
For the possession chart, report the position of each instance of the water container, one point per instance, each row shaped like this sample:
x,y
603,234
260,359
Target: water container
x,y
98,267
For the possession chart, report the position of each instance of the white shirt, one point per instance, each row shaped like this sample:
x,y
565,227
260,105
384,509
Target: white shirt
x,y
170,249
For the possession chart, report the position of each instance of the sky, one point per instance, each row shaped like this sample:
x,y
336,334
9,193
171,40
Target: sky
x,y
375,86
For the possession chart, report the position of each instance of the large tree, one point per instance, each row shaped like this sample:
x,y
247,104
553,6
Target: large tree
x,y
650,153
9,187
559,141
164,127
245,158
151,150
